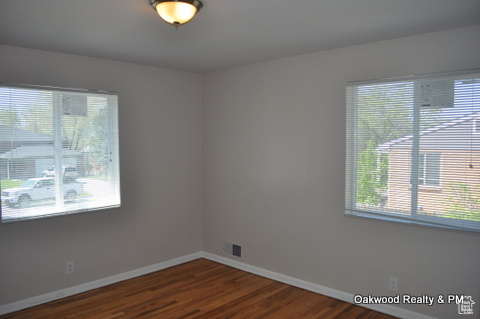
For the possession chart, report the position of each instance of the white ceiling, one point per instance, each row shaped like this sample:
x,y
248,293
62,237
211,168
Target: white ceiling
x,y
225,33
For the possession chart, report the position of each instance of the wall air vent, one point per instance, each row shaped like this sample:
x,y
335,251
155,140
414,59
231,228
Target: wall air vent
x,y
232,249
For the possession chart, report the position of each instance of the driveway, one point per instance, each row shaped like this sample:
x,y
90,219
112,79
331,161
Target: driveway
x,y
95,193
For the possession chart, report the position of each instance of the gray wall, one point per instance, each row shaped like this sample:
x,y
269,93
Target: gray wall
x,y
274,162
160,154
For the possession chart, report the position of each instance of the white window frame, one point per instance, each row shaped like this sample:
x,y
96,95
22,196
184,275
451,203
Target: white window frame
x,y
352,153
476,126
427,166
61,205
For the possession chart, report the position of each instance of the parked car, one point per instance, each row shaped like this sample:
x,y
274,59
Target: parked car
x,y
69,172
38,189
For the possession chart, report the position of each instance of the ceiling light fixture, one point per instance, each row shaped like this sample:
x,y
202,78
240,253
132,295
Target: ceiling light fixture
x,y
176,12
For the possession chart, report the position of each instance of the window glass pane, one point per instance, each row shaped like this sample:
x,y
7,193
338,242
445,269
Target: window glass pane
x,y
384,114
421,169
58,152
432,172
421,134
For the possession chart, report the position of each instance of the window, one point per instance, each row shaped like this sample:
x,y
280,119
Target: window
x,y
58,151
476,126
429,169
412,152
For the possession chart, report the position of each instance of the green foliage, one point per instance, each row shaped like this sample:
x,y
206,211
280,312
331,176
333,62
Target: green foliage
x,y
464,203
100,123
38,118
6,183
9,116
384,114
372,172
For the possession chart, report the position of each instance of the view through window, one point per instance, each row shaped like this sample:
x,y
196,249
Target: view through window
x,y
58,151
413,150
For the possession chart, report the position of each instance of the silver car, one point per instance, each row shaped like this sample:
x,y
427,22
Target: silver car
x,y
69,173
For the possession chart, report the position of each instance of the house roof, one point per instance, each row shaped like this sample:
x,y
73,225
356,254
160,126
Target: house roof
x,y
457,134
36,151
9,133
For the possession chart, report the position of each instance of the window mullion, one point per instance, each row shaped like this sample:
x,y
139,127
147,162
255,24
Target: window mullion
x,y
354,149
415,158
110,123
57,146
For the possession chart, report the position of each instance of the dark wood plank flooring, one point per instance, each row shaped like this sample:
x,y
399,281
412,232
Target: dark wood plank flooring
x,y
200,289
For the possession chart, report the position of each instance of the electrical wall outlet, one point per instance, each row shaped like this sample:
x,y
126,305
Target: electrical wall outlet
x,y
393,284
69,267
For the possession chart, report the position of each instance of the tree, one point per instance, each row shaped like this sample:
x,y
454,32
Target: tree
x,y
372,175
384,113
100,148
73,132
9,116
38,118
463,203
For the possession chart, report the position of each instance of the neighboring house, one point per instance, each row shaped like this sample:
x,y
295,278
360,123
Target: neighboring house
x,y
446,150
11,137
26,154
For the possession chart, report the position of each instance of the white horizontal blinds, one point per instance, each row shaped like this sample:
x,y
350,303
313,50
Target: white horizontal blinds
x,y
377,114
26,146
88,144
22,124
113,160
413,152
451,150
61,138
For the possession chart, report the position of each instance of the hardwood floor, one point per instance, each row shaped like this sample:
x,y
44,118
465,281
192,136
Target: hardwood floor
x,y
200,289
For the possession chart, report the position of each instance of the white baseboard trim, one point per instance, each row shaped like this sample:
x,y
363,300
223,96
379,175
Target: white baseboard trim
x,y
337,294
34,301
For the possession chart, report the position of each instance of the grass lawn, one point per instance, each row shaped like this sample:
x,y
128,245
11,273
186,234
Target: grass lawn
x,y
103,178
6,183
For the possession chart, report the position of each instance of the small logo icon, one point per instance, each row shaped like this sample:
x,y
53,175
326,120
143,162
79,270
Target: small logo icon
x,y
465,306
